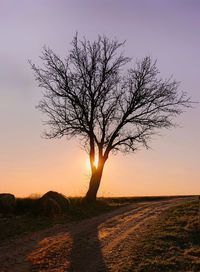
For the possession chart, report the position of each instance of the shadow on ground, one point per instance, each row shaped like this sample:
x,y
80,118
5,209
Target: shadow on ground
x,y
73,248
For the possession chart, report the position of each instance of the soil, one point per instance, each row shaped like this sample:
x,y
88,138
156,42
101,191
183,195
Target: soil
x,y
101,243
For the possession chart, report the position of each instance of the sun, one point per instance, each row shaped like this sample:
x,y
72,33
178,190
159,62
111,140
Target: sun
x,y
96,162
87,163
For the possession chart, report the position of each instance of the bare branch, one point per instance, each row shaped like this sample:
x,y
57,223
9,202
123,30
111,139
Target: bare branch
x,y
90,95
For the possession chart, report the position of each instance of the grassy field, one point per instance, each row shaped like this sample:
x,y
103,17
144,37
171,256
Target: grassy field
x,y
172,243
24,220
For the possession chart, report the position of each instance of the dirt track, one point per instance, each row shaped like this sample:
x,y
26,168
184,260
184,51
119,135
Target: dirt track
x,y
101,243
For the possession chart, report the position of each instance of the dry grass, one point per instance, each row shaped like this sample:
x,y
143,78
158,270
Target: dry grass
x,y
172,243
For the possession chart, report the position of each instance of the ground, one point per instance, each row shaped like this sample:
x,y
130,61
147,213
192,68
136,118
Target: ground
x,y
113,241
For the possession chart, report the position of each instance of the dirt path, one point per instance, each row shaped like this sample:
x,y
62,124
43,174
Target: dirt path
x,y
102,243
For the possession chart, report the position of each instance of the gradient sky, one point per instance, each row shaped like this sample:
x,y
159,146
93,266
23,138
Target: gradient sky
x,y
167,30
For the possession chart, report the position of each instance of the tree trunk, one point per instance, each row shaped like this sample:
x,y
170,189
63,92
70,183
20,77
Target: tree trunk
x,y
94,184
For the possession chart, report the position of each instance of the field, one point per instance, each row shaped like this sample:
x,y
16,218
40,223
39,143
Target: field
x,y
119,234
172,243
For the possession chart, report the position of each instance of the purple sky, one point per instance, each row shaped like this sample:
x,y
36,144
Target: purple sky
x,y
167,30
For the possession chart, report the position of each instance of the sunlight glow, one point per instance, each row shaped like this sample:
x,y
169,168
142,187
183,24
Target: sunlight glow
x,y
96,162
88,163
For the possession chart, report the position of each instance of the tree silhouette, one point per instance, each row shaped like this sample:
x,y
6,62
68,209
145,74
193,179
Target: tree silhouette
x,y
91,95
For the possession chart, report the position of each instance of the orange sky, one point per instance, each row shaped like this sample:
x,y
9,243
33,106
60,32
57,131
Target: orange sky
x,y
168,168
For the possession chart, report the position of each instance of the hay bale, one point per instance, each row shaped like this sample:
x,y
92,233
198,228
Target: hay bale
x,y
7,203
52,204
49,207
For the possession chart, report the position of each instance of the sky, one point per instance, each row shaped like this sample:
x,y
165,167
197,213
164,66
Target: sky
x,y
166,30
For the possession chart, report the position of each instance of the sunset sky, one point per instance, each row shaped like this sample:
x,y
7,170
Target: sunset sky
x,y
167,30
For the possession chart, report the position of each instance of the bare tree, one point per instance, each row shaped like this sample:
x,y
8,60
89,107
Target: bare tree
x,y
90,95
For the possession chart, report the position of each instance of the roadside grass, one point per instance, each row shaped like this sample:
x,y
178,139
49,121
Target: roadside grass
x,y
172,243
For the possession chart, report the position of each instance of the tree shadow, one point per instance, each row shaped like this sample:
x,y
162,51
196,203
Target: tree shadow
x,y
74,248
86,254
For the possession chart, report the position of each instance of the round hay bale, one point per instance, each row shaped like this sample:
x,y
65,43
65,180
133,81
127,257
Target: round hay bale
x,y
7,203
49,207
52,204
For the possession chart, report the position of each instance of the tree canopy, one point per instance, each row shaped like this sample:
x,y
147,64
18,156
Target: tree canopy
x,y
91,95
